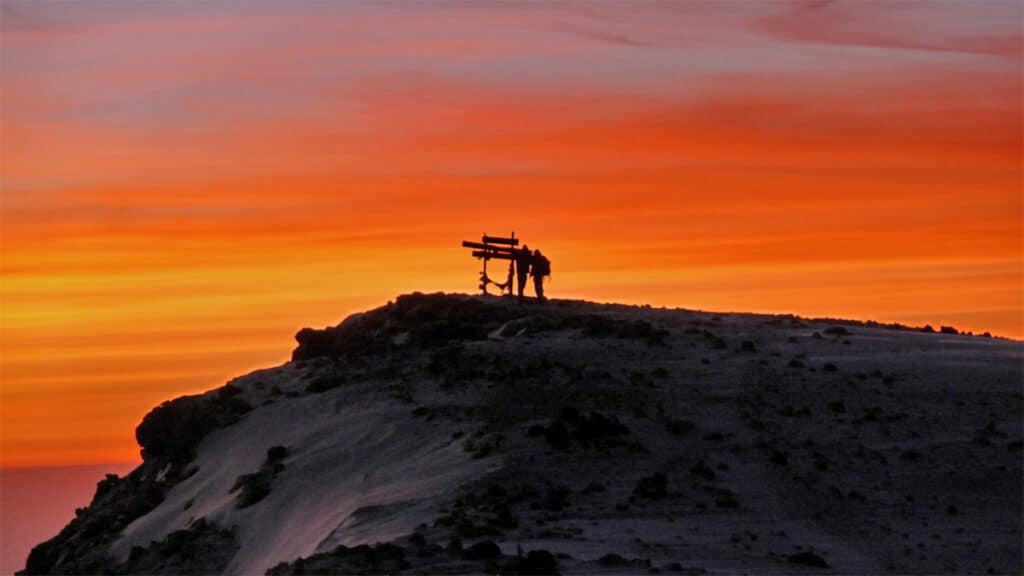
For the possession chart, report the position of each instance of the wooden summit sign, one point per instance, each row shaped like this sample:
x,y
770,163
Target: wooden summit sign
x,y
495,248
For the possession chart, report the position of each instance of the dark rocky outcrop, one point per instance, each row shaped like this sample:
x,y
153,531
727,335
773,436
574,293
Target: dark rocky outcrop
x,y
808,558
379,559
655,486
254,487
434,320
172,430
168,435
429,319
202,548
595,429
80,548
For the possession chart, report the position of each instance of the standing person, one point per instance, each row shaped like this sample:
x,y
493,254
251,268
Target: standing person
x,y
540,267
523,259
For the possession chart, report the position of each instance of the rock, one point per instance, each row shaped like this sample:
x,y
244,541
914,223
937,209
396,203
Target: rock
x,y
808,558
778,458
486,550
598,426
364,559
174,429
557,436
538,562
276,453
652,486
703,470
615,561
612,561
679,427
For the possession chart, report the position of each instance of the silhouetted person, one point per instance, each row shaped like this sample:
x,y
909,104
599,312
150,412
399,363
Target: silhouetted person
x,y
539,268
523,259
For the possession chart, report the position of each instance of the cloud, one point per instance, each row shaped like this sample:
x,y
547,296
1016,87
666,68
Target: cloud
x,y
989,28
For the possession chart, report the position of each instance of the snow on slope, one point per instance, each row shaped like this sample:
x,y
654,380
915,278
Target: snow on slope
x,y
348,449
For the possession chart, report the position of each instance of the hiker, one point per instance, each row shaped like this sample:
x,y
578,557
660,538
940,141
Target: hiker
x,y
539,268
522,258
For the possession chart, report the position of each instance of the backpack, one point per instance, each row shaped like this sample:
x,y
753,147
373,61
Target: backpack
x,y
542,267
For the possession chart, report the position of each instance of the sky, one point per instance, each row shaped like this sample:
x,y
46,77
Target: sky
x,y
185,185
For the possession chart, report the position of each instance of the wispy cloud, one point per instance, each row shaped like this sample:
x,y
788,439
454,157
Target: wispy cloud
x,y
991,28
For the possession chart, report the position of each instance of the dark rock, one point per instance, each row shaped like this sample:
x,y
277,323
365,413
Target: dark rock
x,y
79,548
537,563
556,498
778,458
201,548
557,436
716,342
598,326
276,453
254,487
568,413
431,320
361,560
703,470
727,501
174,429
486,550
598,426
910,455
679,427
652,486
613,561
536,430
808,558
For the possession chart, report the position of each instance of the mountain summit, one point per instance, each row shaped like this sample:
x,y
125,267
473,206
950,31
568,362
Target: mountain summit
x,y
461,434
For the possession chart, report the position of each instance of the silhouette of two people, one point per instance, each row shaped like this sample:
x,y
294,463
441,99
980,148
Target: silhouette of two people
x,y
532,264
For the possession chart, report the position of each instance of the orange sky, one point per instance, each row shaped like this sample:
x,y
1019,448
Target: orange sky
x,y
186,185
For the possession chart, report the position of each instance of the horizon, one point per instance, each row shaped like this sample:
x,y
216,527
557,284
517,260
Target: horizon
x,y
185,186
134,461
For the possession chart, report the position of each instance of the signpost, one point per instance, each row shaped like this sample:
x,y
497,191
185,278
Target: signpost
x,y
495,248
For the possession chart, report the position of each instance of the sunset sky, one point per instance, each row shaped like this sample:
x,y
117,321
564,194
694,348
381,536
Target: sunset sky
x,y
185,185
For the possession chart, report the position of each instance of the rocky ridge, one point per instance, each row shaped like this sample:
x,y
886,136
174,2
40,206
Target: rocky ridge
x,y
458,434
